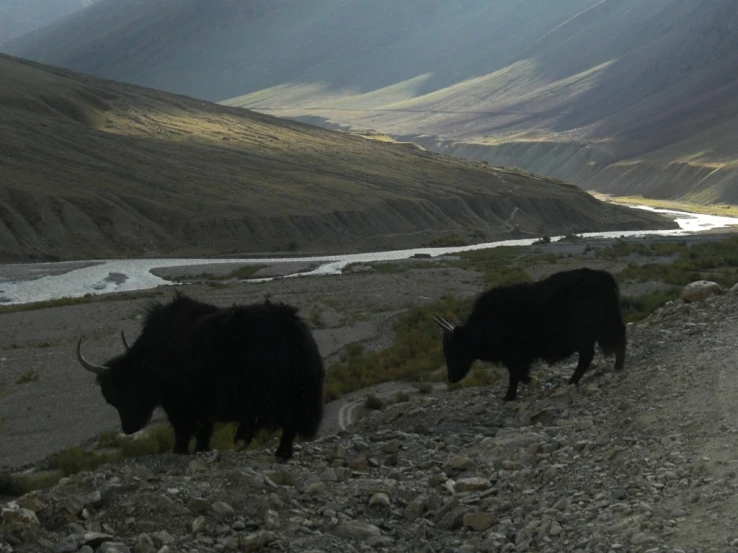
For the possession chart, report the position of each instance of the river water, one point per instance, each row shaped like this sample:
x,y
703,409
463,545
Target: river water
x,y
25,283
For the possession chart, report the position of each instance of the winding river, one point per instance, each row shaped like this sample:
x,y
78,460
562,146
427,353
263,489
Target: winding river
x,y
25,283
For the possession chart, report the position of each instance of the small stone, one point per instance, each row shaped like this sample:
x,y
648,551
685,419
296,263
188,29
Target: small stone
x,y
393,446
113,547
316,488
478,521
271,519
453,519
67,545
358,463
379,499
473,484
94,539
73,505
198,504
198,524
196,466
329,475
416,508
460,462
555,529
222,508
30,502
379,542
25,516
257,541
163,537
355,529
144,544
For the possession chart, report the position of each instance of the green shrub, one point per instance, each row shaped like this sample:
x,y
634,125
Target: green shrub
x,y
373,402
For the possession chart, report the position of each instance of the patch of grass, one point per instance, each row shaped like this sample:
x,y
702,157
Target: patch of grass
x,y
401,397
241,273
373,402
423,387
389,268
727,210
448,241
483,376
18,485
112,447
714,260
315,317
28,376
639,307
414,356
76,459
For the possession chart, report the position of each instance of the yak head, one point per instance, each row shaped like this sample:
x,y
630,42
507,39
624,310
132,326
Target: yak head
x,y
125,384
457,349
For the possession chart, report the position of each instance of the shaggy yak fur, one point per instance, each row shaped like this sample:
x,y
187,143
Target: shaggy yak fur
x,y
550,319
257,365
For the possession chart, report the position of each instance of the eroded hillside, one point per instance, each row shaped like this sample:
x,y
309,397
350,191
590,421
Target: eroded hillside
x,y
619,96
97,168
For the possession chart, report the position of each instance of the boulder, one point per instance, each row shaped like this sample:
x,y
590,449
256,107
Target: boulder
x,y
700,290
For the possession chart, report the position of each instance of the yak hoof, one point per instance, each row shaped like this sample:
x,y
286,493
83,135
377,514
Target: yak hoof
x,y
284,453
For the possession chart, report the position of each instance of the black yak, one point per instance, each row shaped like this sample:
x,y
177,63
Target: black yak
x,y
257,365
550,319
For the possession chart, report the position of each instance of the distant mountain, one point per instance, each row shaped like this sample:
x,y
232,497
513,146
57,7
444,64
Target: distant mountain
x,y
92,168
18,17
626,96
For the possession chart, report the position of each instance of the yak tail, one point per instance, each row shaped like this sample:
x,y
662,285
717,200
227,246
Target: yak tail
x,y
612,333
310,374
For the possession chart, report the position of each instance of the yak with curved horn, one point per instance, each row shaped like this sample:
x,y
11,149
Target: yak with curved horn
x,y
257,365
568,312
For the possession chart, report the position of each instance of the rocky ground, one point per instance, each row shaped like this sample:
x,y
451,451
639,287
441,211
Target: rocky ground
x,y
637,461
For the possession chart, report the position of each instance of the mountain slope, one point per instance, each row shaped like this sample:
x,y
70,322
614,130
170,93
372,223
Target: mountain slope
x,y
18,18
644,90
98,168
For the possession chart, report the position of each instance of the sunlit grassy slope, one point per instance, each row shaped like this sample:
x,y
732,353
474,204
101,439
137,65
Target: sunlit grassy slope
x,y
98,168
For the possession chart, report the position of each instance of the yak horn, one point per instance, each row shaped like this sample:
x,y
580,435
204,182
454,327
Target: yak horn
x,y
443,323
97,369
123,337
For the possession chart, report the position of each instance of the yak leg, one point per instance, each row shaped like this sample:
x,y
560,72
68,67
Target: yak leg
x,y
245,432
202,436
516,375
284,451
182,433
620,357
585,359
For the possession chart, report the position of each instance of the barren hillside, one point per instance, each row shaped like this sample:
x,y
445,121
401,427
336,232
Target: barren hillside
x,y
97,168
622,96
